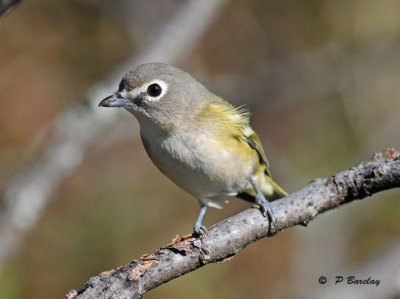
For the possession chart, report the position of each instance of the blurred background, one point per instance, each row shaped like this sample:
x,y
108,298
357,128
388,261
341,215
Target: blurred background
x,y
321,79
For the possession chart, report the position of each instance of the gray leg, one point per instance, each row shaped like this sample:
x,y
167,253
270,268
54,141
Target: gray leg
x,y
265,206
198,228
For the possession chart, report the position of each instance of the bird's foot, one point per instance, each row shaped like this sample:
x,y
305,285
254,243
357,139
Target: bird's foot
x,y
199,231
265,207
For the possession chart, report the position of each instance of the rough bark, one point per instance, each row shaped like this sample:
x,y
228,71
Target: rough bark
x,y
231,235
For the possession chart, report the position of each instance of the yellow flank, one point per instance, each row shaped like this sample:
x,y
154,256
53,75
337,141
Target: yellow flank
x,y
267,185
225,117
231,129
228,125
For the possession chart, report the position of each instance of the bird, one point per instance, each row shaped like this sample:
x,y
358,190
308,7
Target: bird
x,y
204,144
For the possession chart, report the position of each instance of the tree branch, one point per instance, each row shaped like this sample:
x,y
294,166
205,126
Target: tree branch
x,y
231,235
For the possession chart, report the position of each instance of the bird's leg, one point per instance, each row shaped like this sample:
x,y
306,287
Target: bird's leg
x,y
265,205
198,228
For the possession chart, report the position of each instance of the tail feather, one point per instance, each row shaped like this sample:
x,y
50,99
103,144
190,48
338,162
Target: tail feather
x,y
268,187
278,191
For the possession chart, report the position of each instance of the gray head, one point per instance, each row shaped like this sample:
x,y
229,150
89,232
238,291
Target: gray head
x,y
159,92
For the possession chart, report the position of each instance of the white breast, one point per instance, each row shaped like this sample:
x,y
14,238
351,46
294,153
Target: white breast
x,y
195,164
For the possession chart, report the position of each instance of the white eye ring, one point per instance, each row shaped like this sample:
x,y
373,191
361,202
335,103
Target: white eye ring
x,y
142,90
164,89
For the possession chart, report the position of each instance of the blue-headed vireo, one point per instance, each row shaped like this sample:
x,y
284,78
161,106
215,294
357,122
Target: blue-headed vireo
x,y
201,142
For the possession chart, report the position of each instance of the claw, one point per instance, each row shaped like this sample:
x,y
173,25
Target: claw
x,y
200,231
266,209
263,204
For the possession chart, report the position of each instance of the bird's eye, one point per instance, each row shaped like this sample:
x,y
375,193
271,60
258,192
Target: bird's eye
x,y
154,90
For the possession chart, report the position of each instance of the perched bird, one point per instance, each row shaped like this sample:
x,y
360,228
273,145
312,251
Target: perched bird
x,y
201,142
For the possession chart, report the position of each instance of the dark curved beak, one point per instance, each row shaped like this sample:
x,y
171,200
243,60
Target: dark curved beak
x,y
114,100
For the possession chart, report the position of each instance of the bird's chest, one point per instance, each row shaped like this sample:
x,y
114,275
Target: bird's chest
x,y
199,163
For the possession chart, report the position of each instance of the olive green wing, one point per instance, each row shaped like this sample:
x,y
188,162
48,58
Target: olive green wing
x,y
262,174
255,143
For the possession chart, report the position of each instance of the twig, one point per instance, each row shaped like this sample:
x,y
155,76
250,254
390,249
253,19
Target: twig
x,y
228,237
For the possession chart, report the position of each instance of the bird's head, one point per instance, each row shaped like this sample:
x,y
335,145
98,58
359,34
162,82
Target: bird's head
x,y
161,93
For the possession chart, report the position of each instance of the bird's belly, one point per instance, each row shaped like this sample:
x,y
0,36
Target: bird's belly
x,y
200,168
